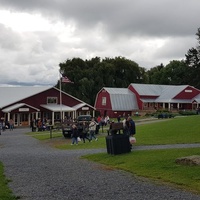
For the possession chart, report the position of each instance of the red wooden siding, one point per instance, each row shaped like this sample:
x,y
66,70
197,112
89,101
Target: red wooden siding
x,y
187,93
41,98
103,109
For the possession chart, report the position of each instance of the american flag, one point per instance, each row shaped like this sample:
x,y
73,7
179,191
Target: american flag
x,y
64,79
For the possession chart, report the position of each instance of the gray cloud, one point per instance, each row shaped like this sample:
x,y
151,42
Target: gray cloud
x,y
147,32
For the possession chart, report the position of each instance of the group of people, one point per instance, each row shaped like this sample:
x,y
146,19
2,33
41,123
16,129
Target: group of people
x,y
128,126
40,124
88,131
103,121
6,125
81,131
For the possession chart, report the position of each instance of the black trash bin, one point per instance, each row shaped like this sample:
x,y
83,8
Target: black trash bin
x,y
118,144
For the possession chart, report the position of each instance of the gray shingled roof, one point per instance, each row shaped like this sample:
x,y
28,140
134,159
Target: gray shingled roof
x,y
122,99
14,94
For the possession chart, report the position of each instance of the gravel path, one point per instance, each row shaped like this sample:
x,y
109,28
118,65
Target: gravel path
x,y
39,172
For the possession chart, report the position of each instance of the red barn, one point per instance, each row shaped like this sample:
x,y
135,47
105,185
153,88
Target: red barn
x,y
169,97
23,104
115,101
146,97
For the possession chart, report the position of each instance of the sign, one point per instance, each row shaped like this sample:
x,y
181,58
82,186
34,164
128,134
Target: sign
x,y
85,108
23,109
188,90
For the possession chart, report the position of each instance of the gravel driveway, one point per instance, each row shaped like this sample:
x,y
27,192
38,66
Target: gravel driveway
x,y
39,172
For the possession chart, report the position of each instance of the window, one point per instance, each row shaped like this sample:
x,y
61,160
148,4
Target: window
x,y
52,100
103,101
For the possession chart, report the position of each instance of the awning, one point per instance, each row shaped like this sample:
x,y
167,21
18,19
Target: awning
x,y
57,107
83,105
16,106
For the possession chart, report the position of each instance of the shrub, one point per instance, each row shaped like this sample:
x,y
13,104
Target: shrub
x,y
188,112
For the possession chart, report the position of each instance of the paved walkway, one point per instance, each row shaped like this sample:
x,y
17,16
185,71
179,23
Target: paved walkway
x,y
39,172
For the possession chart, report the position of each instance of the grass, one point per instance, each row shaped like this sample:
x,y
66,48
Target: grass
x,y
5,192
58,141
180,130
157,165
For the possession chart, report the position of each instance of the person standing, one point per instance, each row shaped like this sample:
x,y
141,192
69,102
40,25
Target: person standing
x,y
92,129
11,124
1,127
75,135
85,132
119,118
131,126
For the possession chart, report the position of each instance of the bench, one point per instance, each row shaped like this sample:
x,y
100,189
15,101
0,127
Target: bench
x,y
115,128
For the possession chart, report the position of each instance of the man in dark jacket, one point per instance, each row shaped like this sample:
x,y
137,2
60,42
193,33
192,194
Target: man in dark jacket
x,y
131,127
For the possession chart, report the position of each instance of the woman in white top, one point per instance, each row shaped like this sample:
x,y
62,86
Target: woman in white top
x,y
92,129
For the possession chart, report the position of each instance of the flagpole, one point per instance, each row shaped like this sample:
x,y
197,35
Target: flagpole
x,y
63,79
60,98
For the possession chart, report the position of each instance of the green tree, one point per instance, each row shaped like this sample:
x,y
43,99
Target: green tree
x,y
90,76
172,74
193,62
175,73
154,74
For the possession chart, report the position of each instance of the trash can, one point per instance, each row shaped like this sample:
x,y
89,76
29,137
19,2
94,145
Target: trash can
x,y
118,144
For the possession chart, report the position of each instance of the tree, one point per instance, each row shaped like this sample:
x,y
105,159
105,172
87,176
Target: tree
x,y
154,74
172,74
193,62
90,76
175,73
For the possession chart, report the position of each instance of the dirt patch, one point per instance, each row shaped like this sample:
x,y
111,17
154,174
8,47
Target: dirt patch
x,y
107,168
190,160
54,142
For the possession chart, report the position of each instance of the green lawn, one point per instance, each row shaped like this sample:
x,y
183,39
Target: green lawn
x,y
160,165
5,192
157,165
177,130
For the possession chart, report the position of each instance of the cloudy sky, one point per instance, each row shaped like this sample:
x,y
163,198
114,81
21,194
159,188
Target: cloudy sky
x,y
37,35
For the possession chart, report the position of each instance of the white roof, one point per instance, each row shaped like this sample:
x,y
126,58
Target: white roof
x,y
122,99
57,107
80,105
76,107
14,94
17,105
